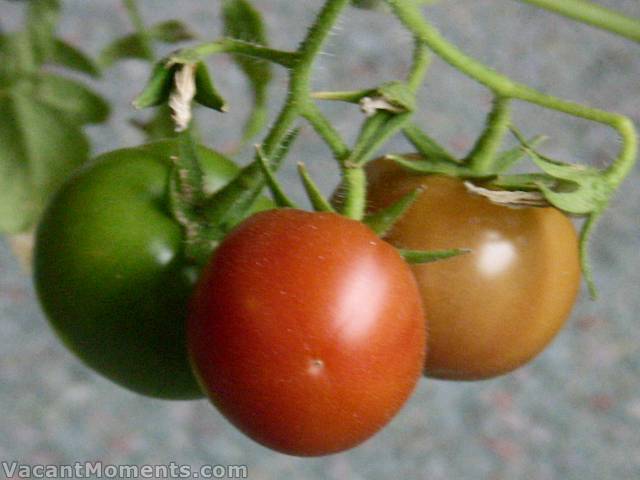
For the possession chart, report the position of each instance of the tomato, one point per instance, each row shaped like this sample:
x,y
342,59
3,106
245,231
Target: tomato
x,y
306,330
495,308
110,273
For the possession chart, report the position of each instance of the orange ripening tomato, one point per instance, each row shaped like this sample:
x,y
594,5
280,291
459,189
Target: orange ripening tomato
x,y
493,309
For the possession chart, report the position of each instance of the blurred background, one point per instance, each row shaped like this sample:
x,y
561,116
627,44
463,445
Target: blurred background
x,y
573,413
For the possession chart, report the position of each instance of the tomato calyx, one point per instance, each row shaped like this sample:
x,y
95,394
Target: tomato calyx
x,y
205,225
161,85
207,217
576,190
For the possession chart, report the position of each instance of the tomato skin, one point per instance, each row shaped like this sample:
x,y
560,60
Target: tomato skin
x,y
494,309
307,331
110,274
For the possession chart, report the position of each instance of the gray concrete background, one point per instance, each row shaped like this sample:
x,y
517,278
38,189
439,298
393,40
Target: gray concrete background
x,y
574,413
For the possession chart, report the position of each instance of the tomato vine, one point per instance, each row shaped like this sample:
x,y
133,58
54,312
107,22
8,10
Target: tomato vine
x,y
201,205
389,107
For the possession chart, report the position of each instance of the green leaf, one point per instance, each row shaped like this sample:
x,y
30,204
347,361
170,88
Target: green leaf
x,y
38,152
17,56
172,31
45,13
42,18
132,46
420,256
383,220
426,145
24,51
41,140
243,22
68,56
159,86
127,47
71,98
206,93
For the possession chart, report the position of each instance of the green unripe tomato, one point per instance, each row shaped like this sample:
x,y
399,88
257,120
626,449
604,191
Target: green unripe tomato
x,y
110,272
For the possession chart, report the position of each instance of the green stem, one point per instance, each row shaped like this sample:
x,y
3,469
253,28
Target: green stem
x,y
238,47
326,131
138,24
277,192
299,85
367,135
297,102
382,127
411,16
375,131
311,46
585,234
593,14
354,181
421,61
483,155
620,168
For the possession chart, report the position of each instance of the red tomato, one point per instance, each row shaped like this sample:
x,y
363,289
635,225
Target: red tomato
x,y
307,331
494,309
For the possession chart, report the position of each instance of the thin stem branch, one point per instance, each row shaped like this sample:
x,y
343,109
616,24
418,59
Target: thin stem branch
x,y
593,14
297,101
327,132
482,157
411,16
391,124
299,91
238,47
421,62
